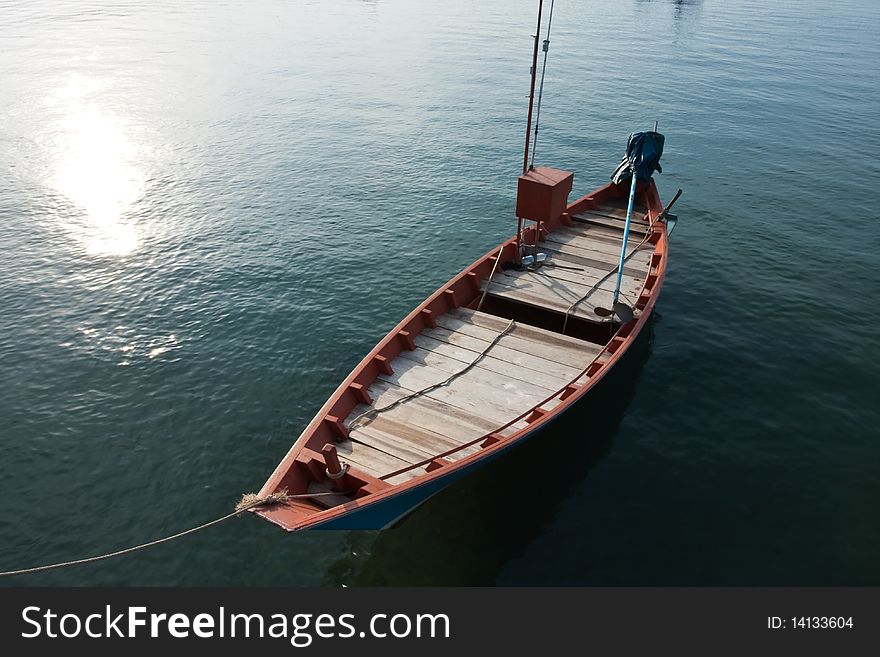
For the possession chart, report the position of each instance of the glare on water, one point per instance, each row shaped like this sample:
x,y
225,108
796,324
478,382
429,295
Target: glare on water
x,y
208,217
95,166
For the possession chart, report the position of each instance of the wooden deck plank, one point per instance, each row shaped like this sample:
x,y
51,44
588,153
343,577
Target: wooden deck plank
x,y
370,460
591,242
475,388
328,497
412,444
468,404
552,349
620,215
441,418
606,259
610,243
617,217
618,209
415,435
513,428
598,219
460,454
591,231
443,369
527,336
466,349
583,310
550,404
500,350
594,231
605,253
397,446
408,420
638,257
405,476
574,260
497,324
628,284
493,365
587,276
553,290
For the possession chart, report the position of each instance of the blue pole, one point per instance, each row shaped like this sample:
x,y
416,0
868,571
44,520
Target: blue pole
x,y
629,212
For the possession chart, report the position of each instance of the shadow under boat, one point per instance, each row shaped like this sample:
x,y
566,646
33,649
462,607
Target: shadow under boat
x,y
466,533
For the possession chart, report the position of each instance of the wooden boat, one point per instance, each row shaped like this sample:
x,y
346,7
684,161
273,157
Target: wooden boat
x,y
486,361
520,382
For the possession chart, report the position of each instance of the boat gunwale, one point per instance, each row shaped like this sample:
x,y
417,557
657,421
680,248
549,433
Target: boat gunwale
x,y
323,516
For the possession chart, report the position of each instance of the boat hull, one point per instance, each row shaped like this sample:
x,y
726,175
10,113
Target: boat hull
x,y
388,512
385,514
384,505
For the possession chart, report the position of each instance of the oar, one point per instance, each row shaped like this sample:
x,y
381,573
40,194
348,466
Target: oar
x,y
621,309
669,205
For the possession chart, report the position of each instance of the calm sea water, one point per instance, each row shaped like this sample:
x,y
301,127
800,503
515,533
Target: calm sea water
x,y
210,211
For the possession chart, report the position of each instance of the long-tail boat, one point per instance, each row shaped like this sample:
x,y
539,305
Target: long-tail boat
x,y
492,357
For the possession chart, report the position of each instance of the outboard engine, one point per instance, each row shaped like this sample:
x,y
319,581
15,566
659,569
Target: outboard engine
x,y
643,151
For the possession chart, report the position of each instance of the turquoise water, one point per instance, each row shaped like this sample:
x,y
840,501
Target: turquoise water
x,y
210,211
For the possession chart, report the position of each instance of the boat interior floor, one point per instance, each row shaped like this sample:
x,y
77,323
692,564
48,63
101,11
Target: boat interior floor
x,y
579,272
490,381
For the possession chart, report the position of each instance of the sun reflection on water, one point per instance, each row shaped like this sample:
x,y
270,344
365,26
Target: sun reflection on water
x,y
127,343
96,168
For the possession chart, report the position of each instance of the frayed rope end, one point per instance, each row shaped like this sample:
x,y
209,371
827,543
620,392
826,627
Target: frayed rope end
x,y
251,500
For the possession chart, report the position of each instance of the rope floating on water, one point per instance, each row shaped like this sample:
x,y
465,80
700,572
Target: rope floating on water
x,y
247,502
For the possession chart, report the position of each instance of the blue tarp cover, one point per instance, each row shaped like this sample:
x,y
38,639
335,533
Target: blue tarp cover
x,y
643,151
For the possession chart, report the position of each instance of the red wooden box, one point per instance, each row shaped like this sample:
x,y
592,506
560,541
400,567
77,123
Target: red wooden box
x,y
542,193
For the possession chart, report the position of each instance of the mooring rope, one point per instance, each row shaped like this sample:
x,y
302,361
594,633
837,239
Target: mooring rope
x,y
247,502
250,500
489,280
449,379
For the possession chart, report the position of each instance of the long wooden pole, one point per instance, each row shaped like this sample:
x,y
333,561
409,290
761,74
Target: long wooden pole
x,y
532,90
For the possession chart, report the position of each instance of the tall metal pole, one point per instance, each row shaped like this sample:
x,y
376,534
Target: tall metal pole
x,y
546,49
532,91
519,221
